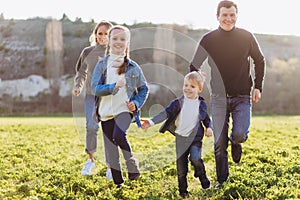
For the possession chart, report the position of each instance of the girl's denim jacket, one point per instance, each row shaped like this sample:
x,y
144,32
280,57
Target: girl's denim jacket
x,y
137,88
171,112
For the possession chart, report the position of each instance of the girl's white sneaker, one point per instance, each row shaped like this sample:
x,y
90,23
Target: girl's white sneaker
x,y
109,174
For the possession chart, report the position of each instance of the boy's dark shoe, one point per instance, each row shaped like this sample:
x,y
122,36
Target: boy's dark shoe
x,y
184,194
205,183
236,152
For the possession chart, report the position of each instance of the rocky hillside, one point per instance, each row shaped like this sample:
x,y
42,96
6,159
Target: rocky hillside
x,y
23,54
22,45
22,48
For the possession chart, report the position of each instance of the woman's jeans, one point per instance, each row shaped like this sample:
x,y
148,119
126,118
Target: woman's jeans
x,y
91,125
239,108
114,133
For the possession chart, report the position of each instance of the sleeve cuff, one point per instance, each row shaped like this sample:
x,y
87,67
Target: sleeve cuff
x,y
151,122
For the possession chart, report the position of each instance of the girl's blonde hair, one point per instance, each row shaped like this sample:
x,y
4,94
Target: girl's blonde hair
x,y
93,37
198,77
126,58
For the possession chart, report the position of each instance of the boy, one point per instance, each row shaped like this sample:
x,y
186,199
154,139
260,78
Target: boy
x,y
185,117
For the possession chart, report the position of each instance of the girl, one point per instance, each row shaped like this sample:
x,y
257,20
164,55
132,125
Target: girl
x,y
185,118
120,83
84,68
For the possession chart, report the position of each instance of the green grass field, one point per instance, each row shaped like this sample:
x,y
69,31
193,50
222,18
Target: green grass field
x,y
41,158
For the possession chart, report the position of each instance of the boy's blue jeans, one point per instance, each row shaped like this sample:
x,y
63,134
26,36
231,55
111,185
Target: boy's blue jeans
x,y
185,150
239,108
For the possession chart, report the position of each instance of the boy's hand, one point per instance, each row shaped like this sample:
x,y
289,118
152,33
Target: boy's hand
x,y
208,132
145,124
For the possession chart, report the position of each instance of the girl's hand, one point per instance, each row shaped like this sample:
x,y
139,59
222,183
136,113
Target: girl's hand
x,y
131,106
120,83
145,124
208,132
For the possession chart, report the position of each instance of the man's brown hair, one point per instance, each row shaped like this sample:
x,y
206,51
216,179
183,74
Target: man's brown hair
x,y
226,4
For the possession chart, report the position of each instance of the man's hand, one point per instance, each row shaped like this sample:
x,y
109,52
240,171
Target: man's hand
x,y
256,95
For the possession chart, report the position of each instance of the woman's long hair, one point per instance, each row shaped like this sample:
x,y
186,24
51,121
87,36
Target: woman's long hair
x,y
93,37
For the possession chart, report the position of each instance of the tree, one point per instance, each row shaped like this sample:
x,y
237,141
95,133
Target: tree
x,y
65,18
1,17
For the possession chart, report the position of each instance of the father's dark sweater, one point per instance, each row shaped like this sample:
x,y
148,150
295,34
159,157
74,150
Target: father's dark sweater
x,y
229,55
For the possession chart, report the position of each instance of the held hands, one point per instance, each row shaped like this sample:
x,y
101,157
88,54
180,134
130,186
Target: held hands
x,y
145,124
256,95
208,132
131,106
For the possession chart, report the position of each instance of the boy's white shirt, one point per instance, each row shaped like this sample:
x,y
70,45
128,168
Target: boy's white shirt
x,y
188,117
112,105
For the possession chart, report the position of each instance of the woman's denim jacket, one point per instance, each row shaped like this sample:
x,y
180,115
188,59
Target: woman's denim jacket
x,y
137,88
171,112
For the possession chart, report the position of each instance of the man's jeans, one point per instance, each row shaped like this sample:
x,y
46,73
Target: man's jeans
x,y
239,108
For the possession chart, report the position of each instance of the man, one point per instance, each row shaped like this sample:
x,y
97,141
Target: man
x,y
229,50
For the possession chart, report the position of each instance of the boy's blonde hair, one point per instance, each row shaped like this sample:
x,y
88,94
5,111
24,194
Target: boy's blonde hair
x,y
198,77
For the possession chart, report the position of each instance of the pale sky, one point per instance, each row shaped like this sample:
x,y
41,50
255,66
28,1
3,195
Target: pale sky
x,y
257,16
